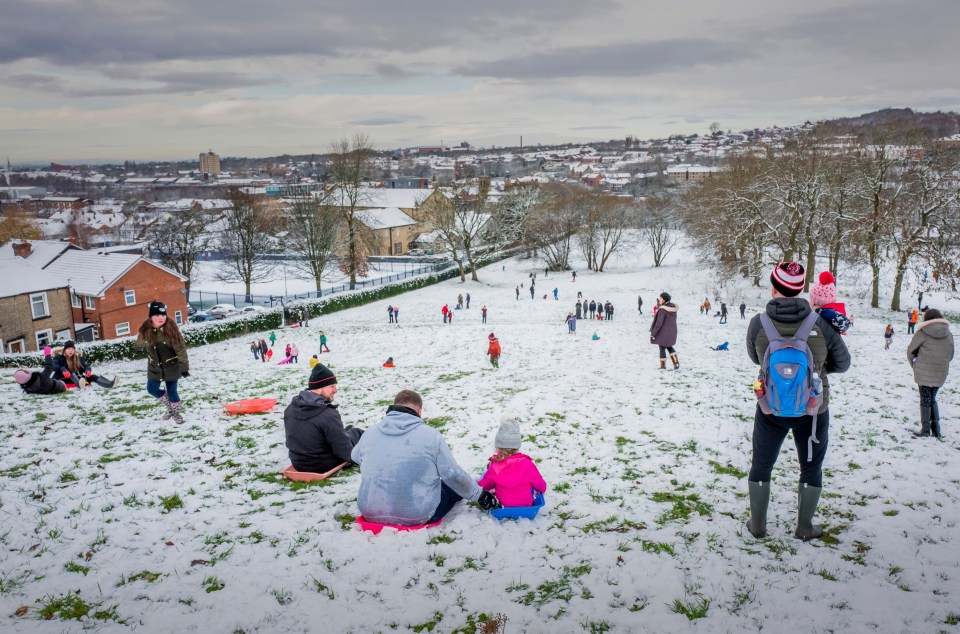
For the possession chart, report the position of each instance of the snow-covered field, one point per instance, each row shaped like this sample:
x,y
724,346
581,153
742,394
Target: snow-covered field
x,y
161,528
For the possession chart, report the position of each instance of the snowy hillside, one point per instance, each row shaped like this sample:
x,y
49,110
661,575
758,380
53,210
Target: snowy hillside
x,y
161,528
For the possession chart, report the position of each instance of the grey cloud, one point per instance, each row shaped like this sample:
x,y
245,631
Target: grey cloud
x,y
391,71
169,83
376,121
614,60
115,32
35,81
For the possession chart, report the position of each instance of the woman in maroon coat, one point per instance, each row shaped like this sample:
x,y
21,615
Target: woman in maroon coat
x,y
663,332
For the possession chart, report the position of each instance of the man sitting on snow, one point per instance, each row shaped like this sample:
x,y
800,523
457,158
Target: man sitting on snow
x,y
408,476
316,437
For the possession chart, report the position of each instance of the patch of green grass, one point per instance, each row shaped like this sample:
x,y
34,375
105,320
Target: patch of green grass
x,y
556,590
657,548
613,524
682,506
16,470
556,416
826,574
346,520
245,442
321,587
71,607
427,626
450,378
693,609
952,619
483,623
728,469
72,566
438,422
212,584
563,487
144,575
441,539
891,512
107,458
596,627
67,476
171,502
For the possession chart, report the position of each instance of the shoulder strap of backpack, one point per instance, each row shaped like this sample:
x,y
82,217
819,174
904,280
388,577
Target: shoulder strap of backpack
x,y
772,333
807,326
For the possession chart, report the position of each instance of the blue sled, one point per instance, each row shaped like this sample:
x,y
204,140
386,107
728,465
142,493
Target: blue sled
x,y
516,512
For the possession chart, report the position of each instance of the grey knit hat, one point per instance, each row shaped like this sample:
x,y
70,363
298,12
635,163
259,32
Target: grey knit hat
x,y
508,436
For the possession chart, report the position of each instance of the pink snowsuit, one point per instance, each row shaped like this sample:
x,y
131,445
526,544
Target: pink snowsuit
x,y
513,479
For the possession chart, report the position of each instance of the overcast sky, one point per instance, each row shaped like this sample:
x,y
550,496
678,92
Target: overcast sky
x,y
167,79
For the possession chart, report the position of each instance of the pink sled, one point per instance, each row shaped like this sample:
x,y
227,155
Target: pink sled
x,y
376,527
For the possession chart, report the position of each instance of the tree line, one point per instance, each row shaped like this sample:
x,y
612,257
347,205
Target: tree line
x,y
886,197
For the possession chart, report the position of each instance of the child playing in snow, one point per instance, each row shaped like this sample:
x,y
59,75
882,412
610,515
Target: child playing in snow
x,y
314,361
493,349
888,336
595,336
389,363
823,299
512,476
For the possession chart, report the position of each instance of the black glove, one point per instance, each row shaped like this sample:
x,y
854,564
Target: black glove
x,y
488,501
185,374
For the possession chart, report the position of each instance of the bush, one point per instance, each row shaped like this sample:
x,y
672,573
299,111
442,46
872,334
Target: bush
x,y
212,332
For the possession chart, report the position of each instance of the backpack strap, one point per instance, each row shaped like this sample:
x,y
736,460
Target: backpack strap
x,y
806,327
772,333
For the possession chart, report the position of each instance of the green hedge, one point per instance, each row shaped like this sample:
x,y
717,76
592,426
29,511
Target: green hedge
x,y
261,321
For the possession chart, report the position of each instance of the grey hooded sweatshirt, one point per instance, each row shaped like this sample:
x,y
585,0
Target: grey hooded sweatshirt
x,y
402,463
930,352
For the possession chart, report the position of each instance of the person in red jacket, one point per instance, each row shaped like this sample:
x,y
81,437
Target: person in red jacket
x,y
512,476
493,349
446,311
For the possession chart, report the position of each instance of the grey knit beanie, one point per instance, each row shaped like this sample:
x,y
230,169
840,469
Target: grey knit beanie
x,y
508,436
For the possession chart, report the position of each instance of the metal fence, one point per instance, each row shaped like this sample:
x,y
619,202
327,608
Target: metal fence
x,y
201,300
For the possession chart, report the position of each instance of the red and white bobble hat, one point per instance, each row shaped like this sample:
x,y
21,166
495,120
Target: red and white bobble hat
x,y
788,278
825,292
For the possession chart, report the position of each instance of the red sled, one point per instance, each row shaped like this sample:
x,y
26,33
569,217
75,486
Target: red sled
x,y
251,406
376,527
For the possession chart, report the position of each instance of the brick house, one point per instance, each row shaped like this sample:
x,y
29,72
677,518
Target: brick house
x,y
34,307
111,291
393,229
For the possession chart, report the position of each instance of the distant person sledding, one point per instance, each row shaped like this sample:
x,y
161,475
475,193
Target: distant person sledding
x,y
725,346
389,363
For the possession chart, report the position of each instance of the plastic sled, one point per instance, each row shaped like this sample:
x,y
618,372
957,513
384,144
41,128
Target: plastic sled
x,y
389,365
723,346
516,512
376,527
305,476
251,406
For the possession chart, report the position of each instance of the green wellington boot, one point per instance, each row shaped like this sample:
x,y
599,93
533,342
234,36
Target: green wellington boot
x,y
759,501
807,499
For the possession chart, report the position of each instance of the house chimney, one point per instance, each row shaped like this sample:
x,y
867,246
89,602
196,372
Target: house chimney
x,y
22,249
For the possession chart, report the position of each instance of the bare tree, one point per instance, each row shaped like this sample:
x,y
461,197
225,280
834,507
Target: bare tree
x,y
312,229
179,241
351,161
512,211
553,223
606,221
458,222
657,227
245,239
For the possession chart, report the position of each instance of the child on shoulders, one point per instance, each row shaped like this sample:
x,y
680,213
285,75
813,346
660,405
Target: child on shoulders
x,y
823,299
512,476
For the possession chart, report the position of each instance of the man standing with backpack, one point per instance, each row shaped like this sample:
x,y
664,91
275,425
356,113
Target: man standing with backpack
x,y
796,349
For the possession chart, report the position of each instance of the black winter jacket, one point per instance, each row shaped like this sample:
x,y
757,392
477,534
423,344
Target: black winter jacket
x,y
42,382
316,437
60,366
829,352
165,361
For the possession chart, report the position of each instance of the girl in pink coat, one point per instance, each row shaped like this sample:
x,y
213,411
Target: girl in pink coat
x,y
512,476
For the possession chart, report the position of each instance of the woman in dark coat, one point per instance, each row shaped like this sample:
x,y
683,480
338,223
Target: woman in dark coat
x,y
929,353
663,332
166,358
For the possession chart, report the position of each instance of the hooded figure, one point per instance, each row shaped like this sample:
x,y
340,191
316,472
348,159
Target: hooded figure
x,y
930,351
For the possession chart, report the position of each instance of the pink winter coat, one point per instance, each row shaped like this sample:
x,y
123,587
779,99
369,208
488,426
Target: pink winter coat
x,y
513,479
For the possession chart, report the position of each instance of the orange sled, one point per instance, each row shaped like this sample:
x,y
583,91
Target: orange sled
x,y
305,476
250,406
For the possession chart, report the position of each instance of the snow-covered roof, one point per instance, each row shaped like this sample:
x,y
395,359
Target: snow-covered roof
x,y
384,217
385,198
20,276
42,252
90,273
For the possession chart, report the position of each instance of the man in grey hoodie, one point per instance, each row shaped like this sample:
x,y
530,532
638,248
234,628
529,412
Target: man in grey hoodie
x,y
408,476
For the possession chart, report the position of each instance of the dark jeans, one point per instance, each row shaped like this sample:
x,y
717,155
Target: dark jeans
x,y
768,435
910,327
153,387
448,499
665,349
928,395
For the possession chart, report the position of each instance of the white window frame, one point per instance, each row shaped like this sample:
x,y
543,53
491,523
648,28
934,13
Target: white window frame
x,y
178,316
47,333
21,341
89,302
46,305
75,300
63,335
126,325
130,297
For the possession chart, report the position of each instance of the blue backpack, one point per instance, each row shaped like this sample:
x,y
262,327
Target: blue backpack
x,y
793,388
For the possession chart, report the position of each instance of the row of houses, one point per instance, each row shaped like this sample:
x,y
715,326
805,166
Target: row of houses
x,y
53,291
